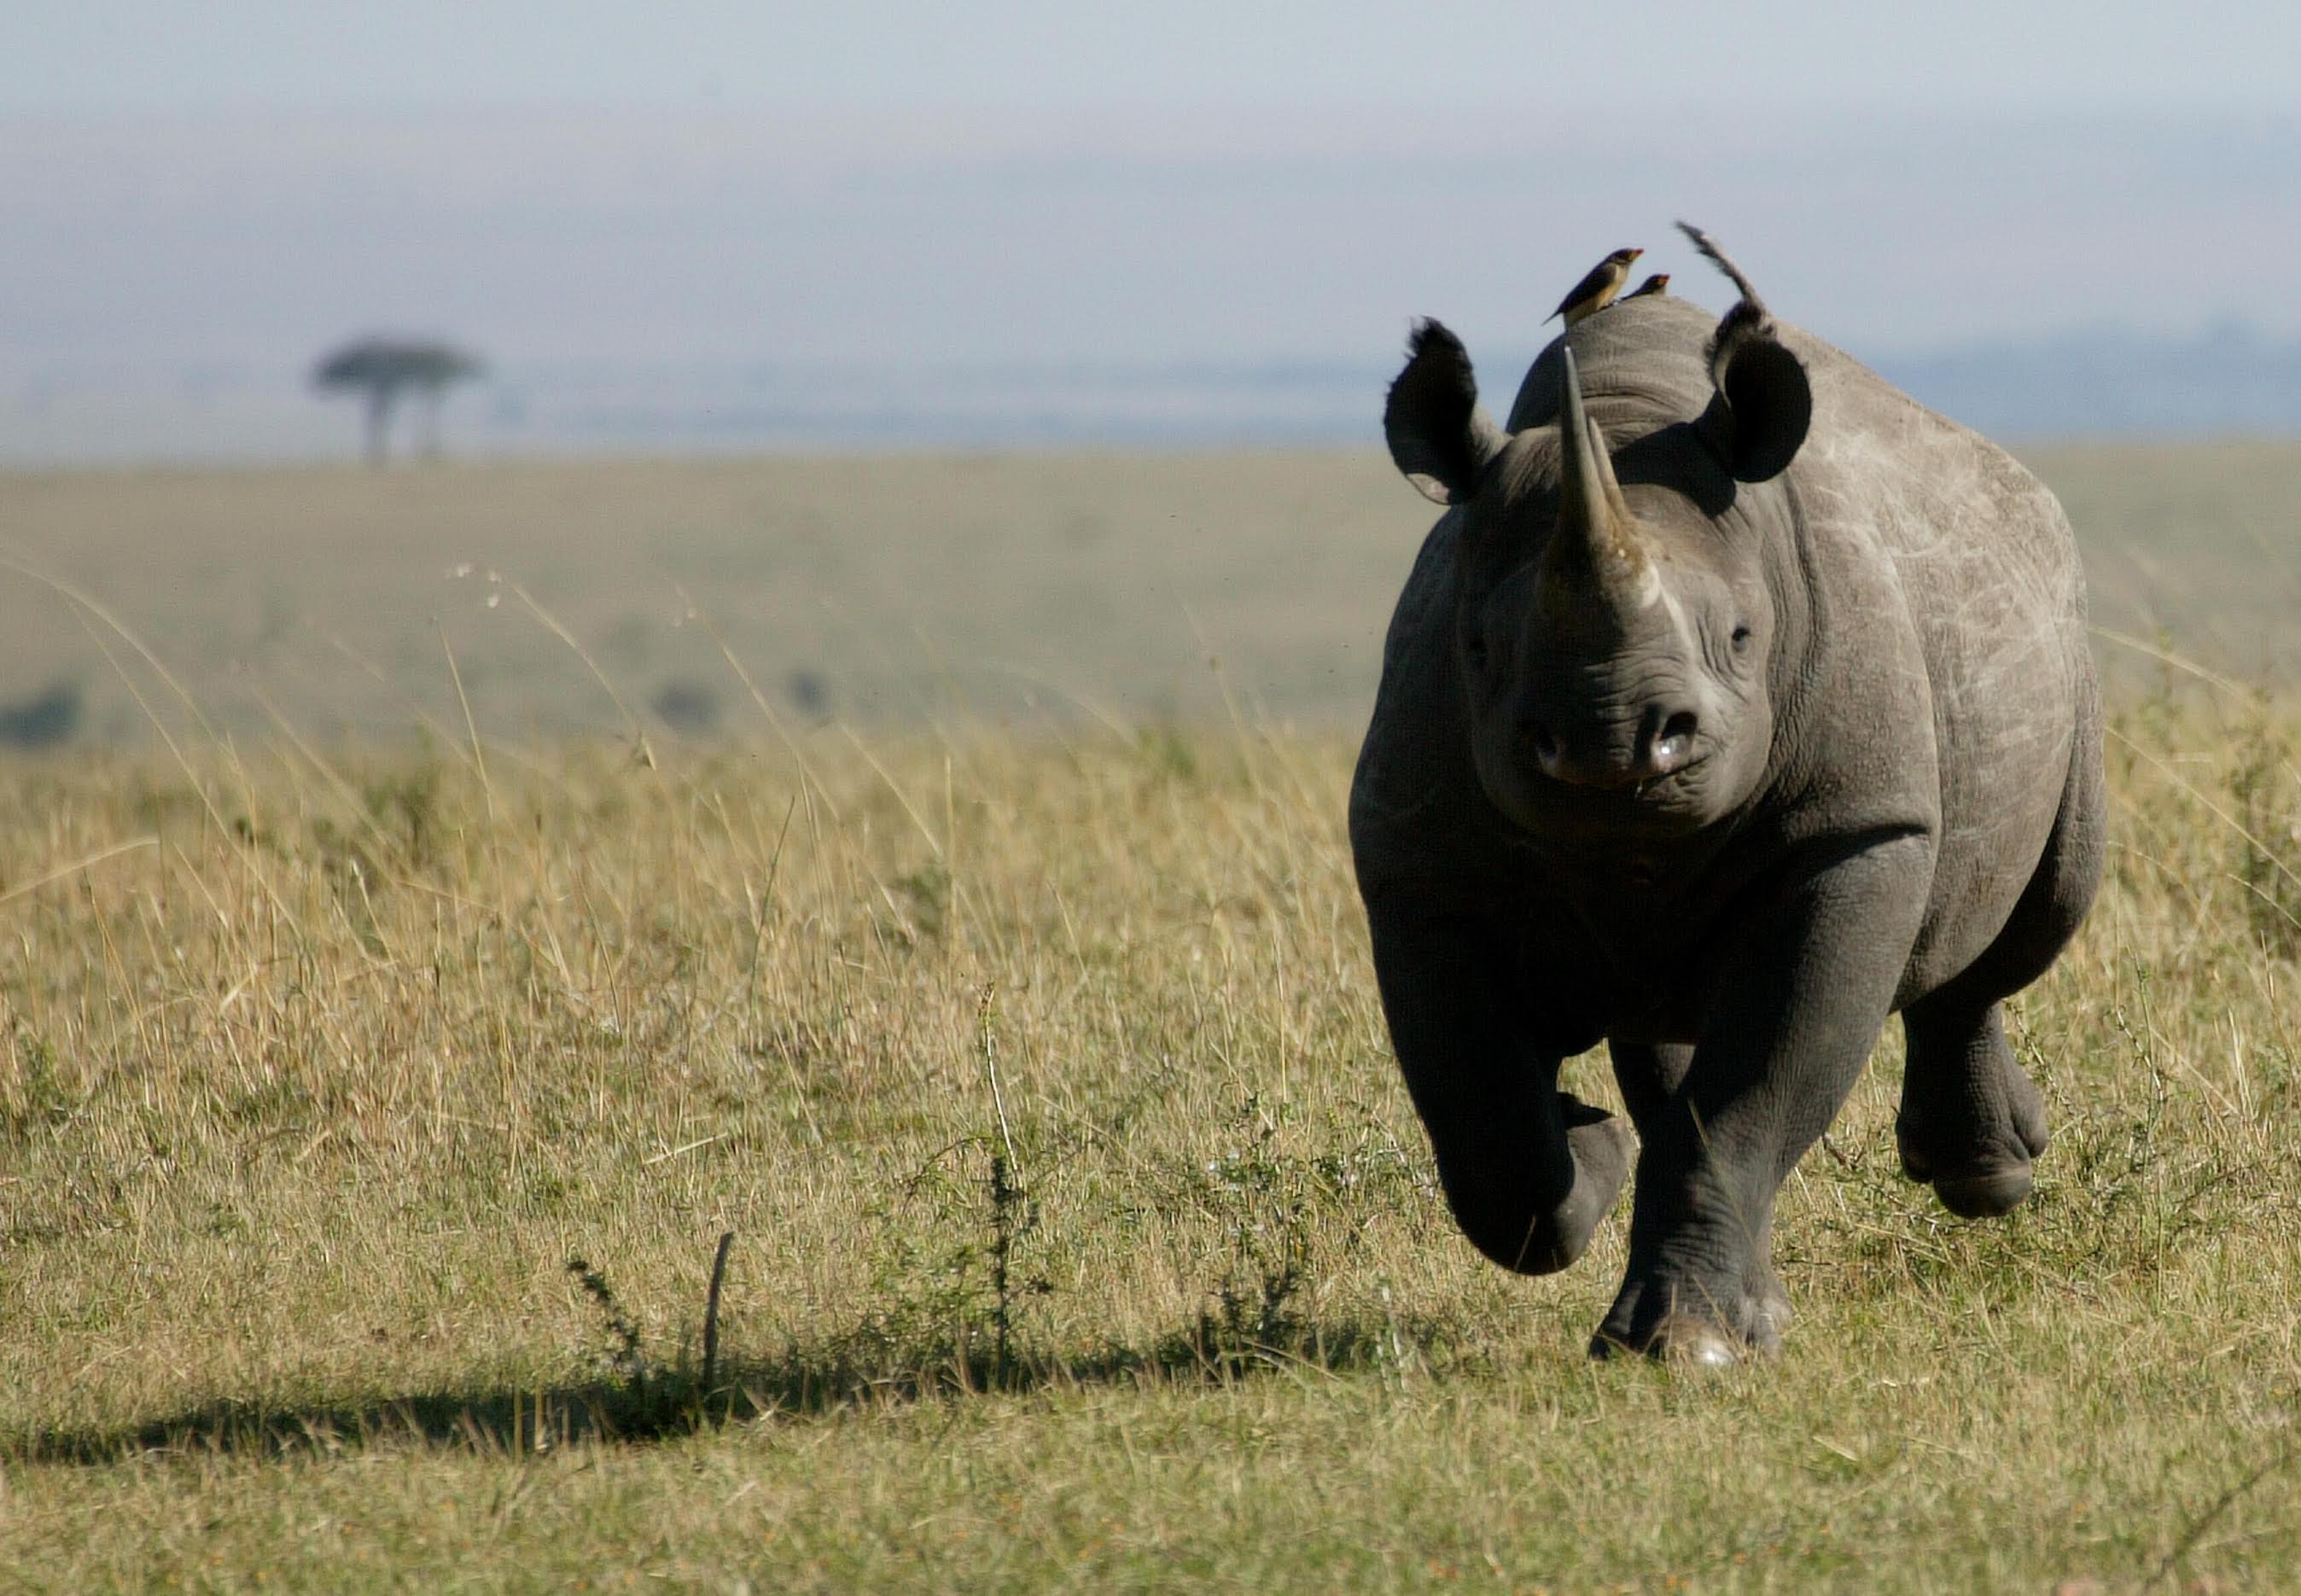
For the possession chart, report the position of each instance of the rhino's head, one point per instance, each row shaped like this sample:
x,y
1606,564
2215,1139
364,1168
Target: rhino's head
x,y
1612,631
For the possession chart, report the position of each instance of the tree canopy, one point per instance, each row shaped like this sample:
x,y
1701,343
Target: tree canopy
x,y
384,367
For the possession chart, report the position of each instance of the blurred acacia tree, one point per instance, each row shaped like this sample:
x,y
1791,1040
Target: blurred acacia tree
x,y
382,369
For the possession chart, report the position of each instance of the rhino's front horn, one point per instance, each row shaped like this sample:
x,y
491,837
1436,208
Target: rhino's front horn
x,y
1597,557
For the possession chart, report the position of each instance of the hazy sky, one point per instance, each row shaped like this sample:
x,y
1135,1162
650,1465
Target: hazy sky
x,y
911,54
231,186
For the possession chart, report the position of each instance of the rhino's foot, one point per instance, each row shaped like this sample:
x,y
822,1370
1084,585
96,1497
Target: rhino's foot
x,y
1977,1163
1681,1322
1603,1152
1971,1120
1502,1224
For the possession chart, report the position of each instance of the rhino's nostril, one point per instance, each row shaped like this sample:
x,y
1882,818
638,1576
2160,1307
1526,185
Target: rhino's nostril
x,y
1673,746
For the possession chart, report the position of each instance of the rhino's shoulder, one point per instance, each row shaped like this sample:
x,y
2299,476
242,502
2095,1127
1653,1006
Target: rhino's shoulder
x,y
1411,765
1418,621
1937,493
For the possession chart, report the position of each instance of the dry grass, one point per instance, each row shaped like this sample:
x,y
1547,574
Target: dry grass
x,y
323,1073
1085,1236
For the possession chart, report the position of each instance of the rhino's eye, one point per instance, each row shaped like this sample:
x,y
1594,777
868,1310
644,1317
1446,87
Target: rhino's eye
x,y
1741,636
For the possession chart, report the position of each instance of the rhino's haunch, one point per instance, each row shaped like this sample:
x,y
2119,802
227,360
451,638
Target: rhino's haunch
x,y
1736,703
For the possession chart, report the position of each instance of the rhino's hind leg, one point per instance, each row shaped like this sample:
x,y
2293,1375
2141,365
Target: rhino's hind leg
x,y
1649,1074
1972,1121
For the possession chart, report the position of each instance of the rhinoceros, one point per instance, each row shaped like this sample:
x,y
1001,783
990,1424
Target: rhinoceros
x,y
1736,703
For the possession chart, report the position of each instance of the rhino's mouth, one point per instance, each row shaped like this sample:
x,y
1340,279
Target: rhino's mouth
x,y
1659,809
1645,790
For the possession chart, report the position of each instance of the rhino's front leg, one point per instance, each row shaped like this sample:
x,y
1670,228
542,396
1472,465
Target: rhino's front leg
x,y
1528,1171
1797,1013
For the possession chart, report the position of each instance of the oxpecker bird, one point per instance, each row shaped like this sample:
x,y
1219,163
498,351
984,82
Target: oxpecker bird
x,y
1659,283
1594,292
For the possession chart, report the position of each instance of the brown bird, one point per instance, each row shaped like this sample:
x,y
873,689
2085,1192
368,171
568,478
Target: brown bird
x,y
1594,292
1659,283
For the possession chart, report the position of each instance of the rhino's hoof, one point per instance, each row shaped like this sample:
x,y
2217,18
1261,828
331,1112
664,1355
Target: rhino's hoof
x,y
1985,1194
1498,1222
1915,1165
1603,1149
1681,1339
1982,1170
1693,1344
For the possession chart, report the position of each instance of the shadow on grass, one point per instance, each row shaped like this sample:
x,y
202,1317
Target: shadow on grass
x,y
852,1372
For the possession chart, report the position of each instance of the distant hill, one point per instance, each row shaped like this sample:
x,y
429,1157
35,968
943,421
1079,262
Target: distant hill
x,y
2102,382
2090,383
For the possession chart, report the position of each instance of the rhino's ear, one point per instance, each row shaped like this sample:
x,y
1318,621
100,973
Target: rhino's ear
x,y
1438,435
1764,402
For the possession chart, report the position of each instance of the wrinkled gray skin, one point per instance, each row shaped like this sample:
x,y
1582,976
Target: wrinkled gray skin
x,y
1721,749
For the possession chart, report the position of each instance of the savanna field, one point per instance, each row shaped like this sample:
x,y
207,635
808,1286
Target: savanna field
x,y
456,898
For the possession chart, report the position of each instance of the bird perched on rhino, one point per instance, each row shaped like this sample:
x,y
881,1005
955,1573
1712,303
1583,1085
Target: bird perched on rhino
x,y
1659,283
1594,292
